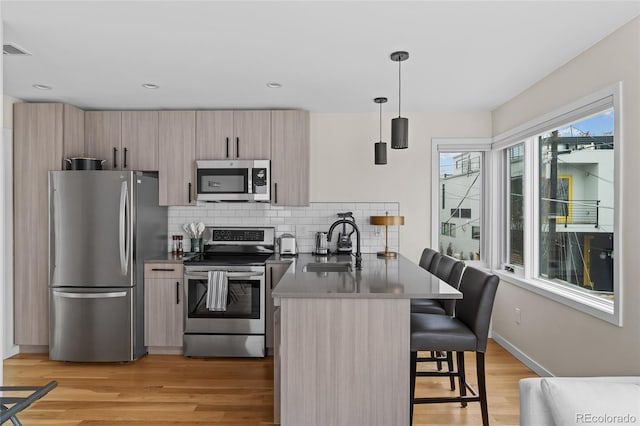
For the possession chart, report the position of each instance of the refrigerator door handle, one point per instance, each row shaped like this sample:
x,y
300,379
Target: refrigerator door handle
x,y
89,295
123,228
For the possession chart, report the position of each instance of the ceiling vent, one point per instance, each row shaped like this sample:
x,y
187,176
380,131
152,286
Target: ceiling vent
x,y
12,49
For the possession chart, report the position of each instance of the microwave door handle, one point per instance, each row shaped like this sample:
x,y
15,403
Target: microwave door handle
x,y
249,180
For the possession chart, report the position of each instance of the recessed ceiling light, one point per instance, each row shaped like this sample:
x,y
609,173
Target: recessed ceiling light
x,y
274,85
42,87
150,86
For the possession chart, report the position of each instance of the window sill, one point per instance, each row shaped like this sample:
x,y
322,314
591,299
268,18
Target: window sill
x,y
573,298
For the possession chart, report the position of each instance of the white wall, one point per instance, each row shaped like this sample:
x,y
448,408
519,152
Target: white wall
x,y
6,166
342,167
3,230
561,339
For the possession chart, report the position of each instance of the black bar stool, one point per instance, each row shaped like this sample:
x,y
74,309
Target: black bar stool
x,y
466,332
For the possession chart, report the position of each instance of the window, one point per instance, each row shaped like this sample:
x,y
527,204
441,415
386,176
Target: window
x,y
576,206
559,206
475,232
515,215
460,165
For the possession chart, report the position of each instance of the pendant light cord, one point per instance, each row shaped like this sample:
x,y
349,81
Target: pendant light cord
x,y
380,122
399,87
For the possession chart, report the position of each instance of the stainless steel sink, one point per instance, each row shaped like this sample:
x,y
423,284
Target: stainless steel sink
x,y
328,267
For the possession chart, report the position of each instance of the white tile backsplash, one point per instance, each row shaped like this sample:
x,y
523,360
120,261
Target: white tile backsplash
x,y
303,222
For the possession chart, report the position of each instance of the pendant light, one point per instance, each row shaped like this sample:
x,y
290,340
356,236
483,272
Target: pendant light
x,y
380,147
399,125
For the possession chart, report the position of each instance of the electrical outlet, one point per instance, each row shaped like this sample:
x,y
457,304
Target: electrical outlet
x,y
517,315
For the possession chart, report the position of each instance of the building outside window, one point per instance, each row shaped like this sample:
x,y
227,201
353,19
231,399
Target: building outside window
x,y
576,206
460,180
515,206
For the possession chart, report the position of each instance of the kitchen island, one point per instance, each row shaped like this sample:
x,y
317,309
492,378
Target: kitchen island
x,y
342,339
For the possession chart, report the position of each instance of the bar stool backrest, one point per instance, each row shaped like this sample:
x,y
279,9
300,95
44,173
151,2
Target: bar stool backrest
x,y
433,267
449,270
428,255
474,309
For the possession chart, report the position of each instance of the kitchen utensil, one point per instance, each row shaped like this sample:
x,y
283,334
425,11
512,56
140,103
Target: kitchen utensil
x,y
200,229
288,245
192,227
84,163
187,229
322,244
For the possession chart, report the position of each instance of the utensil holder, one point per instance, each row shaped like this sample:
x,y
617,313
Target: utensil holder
x,y
196,245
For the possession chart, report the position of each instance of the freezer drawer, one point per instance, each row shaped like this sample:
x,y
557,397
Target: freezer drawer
x,y
90,324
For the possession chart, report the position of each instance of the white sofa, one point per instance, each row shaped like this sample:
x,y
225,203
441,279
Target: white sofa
x,y
562,401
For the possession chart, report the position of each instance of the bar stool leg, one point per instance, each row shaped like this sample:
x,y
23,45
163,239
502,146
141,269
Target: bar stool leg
x,y
452,379
482,388
412,385
462,382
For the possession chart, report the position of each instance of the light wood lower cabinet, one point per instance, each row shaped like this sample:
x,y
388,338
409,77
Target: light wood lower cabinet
x,y
276,366
275,271
163,305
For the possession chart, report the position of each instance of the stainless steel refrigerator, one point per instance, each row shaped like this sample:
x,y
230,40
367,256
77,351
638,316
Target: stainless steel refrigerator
x,y
102,227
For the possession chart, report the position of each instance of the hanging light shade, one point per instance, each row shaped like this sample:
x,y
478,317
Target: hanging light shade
x,y
399,125
380,152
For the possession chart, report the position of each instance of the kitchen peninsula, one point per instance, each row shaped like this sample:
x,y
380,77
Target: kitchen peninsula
x,y
342,339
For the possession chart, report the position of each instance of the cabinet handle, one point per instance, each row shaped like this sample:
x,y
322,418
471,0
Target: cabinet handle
x,y
125,158
115,157
163,269
271,277
177,292
237,147
227,147
275,192
189,191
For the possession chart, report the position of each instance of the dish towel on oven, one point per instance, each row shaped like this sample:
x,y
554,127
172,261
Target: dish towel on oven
x,y
217,288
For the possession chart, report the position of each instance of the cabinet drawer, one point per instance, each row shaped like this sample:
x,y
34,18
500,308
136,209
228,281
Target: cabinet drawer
x,y
163,270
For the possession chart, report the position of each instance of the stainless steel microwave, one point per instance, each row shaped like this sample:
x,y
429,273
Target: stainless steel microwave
x,y
234,180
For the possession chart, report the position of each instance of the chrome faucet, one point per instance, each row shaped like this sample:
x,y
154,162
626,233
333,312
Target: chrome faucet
x,y
355,227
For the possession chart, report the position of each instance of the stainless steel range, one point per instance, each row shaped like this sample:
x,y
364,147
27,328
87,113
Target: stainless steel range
x,y
237,329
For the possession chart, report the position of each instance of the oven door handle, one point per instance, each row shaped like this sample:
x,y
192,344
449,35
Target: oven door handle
x,y
204,274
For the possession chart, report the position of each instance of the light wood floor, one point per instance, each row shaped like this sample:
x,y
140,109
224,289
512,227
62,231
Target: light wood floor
x,y
166,389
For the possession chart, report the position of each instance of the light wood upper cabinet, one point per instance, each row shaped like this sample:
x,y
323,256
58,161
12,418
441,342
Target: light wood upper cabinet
x,y
214,135
252,135
139,144
127,140
40,131
73,132
103,131
163,305
226,135
176,157
290,158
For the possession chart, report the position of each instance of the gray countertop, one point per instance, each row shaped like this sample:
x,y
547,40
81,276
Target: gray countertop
x,y
379,278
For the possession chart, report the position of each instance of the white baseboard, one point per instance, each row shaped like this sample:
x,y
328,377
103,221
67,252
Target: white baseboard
x,y
8,352
521,356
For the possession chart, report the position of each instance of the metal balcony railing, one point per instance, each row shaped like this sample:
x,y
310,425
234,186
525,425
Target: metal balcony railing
x,y
574,212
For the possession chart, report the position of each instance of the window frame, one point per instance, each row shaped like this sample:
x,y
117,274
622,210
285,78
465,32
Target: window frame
x,y
452,145
609,311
